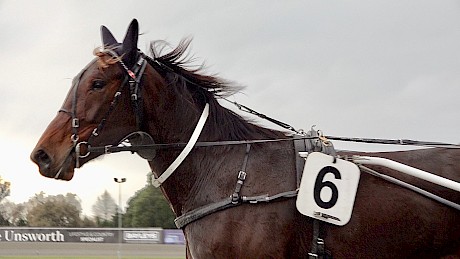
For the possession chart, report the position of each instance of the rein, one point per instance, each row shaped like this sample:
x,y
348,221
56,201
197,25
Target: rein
x,y
133,148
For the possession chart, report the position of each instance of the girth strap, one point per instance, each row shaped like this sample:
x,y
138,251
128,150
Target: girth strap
x,y
205,210
200,212
317,244
318,250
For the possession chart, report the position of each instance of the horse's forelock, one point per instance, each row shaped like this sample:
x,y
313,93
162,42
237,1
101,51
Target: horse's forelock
x,y
104,59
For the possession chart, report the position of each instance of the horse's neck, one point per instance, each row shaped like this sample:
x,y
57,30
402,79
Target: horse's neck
x,y
172,121
208,173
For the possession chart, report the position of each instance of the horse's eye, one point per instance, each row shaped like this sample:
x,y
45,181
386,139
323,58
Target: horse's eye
x,y
98,84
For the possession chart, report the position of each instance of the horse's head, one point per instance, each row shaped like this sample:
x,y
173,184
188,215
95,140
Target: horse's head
x,y
98,100
123,91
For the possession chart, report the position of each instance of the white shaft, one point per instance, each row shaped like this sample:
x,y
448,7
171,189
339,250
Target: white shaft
x,y
367,160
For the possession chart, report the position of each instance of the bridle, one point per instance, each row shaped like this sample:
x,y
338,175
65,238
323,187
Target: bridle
x,y
132,79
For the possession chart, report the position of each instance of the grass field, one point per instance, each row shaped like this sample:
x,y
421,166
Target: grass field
x,y
86,257
47,250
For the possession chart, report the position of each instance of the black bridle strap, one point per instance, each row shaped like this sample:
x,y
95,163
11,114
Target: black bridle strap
x,y
134,88
112,106
132,78
75,123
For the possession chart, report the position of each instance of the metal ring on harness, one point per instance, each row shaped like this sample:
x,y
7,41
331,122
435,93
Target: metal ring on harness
x,y
74,138
78,149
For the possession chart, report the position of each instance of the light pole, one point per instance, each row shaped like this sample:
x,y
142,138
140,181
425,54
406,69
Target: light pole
x,y
119,181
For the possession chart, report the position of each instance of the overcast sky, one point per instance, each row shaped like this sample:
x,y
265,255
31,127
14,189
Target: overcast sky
x,y
382,69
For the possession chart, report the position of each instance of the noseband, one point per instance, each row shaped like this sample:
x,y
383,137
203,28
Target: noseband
x,y
132,78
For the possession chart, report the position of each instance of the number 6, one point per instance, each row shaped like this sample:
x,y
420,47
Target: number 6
x,y
319,185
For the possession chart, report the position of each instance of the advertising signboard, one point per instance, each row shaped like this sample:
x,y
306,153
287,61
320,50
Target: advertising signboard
x,y
142,236
81,235
173,236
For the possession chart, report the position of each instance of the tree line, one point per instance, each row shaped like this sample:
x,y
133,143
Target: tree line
x,y
147,208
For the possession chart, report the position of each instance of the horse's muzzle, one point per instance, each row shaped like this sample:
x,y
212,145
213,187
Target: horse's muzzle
x,y
47,168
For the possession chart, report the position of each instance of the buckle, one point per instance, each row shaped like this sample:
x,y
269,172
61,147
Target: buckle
x,y
75,123
235,197
106,149
241,175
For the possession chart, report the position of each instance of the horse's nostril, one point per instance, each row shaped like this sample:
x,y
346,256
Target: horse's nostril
x,y
42,158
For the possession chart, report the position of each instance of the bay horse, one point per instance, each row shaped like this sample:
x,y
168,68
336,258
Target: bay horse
x,y
123,91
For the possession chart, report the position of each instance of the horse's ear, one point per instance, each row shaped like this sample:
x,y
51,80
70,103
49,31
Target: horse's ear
x,y
130,43
107,37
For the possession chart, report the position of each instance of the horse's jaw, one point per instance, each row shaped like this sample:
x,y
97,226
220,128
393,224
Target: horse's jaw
x,y
67,168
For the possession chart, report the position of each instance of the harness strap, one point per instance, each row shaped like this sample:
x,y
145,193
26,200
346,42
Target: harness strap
x,y
241,176
191,143
266,198
203,211
317,244
208,209
318,250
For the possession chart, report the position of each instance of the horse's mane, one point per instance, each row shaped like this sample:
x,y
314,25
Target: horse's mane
x,y
180,62
194,86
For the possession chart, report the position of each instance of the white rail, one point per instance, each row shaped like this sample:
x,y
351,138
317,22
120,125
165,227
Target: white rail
x,y
367,160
